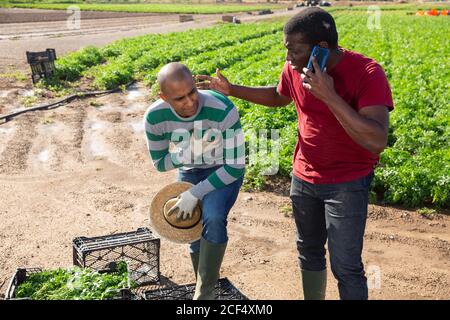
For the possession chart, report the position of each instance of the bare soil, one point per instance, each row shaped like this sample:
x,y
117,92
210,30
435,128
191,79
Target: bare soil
x,y
16,15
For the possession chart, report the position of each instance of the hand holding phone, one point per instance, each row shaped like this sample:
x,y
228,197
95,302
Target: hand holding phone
x,y
321,55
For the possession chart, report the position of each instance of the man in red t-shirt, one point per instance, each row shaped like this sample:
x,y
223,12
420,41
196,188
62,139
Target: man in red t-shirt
x,y
343,121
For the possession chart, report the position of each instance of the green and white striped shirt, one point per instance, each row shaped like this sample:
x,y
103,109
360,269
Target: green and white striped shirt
x,y
211,137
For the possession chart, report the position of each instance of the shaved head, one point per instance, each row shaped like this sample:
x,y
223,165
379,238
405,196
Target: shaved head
x,y
177,88
173,72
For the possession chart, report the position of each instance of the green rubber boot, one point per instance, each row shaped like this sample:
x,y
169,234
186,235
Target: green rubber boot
x,y
194,258
211,256
314,284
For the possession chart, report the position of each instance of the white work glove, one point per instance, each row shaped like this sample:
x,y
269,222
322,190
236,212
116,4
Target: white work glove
x,y
186,205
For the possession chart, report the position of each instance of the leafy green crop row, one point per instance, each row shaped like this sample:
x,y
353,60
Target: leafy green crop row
x,y
136,58
414,168
155,8
74,284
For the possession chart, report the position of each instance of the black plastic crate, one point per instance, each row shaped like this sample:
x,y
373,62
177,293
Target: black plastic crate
x,y
140,249
17,279
21,275
224,290
42,63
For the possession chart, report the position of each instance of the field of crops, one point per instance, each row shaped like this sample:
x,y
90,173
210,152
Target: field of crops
x,y
140,7
414,169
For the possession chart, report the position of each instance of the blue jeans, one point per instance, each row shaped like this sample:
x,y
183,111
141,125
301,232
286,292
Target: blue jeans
x,y
336,212
215,206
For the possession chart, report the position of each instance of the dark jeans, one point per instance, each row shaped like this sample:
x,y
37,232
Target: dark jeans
x,y
336,212
215,206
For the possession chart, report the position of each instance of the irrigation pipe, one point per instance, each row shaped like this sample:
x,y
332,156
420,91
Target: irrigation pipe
x,y
59,103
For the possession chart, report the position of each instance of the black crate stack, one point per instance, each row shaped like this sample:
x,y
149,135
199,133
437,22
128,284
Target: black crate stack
x,y
140,249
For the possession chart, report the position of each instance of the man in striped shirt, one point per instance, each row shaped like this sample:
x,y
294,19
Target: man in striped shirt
x,y
205,128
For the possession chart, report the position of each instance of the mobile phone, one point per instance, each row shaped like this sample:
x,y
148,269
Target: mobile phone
x,y
321,55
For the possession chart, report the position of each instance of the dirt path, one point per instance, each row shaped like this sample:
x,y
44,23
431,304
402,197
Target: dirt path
x,y
83,170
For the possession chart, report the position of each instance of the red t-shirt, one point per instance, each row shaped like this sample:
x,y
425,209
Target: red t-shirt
x,y
325,153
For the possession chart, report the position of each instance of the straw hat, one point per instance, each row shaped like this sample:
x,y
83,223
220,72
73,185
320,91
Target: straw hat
x,y
169,227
